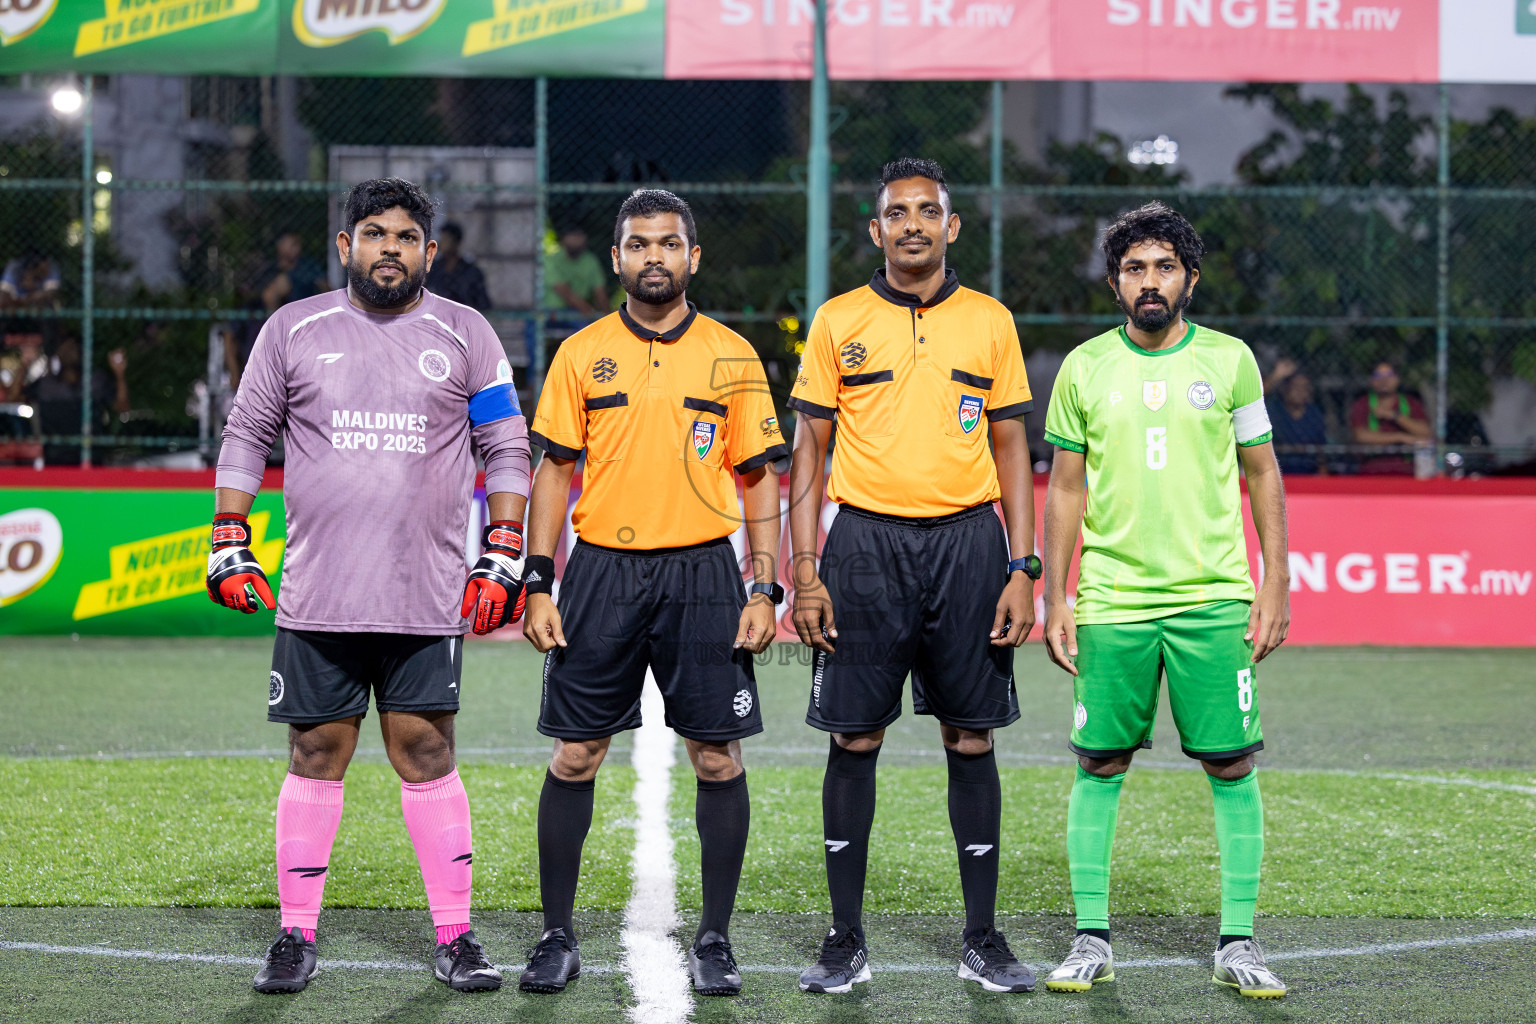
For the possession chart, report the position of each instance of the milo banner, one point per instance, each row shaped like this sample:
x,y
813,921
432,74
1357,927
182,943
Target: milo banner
x,y
467,38
1181,40
121,562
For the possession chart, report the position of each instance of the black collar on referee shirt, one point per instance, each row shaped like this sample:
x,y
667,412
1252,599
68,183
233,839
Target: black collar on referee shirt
x,y
882,288
647,335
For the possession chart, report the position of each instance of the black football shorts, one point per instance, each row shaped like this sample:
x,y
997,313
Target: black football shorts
x,y
325,677
674,611
914,596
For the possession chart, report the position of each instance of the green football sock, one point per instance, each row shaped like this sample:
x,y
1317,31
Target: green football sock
x,y
1090,836
1240,837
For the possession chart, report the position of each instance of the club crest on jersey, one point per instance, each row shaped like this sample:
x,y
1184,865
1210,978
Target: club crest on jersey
x,y
1202,395
970,412
703,437
274,689
604,370
853,355
434,365
1154,393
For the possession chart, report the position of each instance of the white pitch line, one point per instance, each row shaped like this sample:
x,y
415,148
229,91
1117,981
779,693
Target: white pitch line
x,y
1375,949
653,961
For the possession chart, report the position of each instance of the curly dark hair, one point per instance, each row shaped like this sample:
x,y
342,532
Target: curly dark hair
x,y
911,167
648,202
1155,222
374,196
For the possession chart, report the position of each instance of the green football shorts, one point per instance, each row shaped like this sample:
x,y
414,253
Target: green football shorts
x,y
1212,683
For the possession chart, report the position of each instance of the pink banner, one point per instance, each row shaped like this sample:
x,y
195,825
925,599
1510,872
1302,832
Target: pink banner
x,y
1247,40
1155,40
1431,570
866,39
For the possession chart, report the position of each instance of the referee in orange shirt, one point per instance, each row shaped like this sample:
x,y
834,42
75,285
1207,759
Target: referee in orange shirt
x,y
917,571
668,405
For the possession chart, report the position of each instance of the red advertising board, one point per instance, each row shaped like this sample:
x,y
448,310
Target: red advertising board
x,y
1372,561
1433,570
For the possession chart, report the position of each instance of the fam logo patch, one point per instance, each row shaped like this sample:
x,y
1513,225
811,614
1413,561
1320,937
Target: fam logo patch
x,y
1154,393
970,412
604,370
742,705
853,355
770,426
703,437
434,365
274,688
1080,716
1202,395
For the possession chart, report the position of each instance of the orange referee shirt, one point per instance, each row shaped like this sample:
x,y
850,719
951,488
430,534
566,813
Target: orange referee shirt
x,y
910,385
664,419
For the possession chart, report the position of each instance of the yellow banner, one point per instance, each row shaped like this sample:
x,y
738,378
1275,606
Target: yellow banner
x,y
133,21
520,21
161,568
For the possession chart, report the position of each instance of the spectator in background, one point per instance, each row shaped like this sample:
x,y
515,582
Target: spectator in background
x,y
1295,419
454,274
29,282
57,397
291,276
1386,416
573,278
22,364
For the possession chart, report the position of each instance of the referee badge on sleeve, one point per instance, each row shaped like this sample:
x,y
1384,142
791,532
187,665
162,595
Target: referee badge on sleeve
x,y
970,412
703,437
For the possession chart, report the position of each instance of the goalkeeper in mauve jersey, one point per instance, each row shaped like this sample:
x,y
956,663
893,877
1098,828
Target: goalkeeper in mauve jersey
x,y
381,394
1150,422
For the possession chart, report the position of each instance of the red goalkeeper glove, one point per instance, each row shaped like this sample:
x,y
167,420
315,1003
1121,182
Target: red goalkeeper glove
x,y
494,592
235,578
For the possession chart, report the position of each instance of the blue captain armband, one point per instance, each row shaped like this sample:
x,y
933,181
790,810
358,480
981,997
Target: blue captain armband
x,y
495,401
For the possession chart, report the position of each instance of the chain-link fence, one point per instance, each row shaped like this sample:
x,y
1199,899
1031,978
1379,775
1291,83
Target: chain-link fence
x,y
151,230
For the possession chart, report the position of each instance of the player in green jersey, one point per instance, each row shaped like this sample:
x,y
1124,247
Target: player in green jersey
x,y
1150,422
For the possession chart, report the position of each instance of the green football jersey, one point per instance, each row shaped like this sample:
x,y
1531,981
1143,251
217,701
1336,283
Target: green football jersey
x,y
1163,527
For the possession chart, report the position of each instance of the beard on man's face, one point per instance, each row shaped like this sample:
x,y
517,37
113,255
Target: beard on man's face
x,y
1152,313
915,254
384,296
656,290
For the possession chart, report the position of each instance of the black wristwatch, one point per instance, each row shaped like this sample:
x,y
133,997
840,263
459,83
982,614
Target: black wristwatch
x,y
774,591
1029,565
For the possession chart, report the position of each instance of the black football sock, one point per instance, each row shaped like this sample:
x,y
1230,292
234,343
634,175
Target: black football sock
x,y
565,817
722,812
976,818
847,813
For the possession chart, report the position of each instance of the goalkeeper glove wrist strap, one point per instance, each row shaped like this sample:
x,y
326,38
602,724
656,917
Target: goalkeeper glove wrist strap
x,y
539,575
503,535
231,530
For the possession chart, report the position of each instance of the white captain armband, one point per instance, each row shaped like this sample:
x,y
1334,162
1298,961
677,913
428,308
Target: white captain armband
x,y
1251,424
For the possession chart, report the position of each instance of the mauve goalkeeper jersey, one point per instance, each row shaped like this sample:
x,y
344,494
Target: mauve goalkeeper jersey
x,y
377,416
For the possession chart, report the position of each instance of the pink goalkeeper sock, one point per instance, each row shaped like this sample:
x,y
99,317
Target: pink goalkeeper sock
x,y
446,933
437,817
308,811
